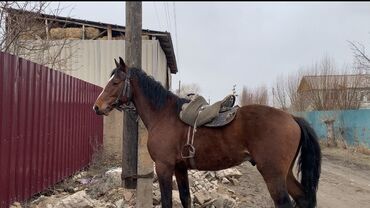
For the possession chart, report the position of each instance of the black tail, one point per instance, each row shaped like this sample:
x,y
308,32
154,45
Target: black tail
x,y
309,161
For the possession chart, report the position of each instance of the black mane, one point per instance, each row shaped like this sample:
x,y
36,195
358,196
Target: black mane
x,y
154,91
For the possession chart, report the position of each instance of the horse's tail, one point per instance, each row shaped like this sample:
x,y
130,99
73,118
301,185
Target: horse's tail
x,y
309,161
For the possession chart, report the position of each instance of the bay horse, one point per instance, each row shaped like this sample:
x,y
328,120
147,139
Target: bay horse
x,y
268,137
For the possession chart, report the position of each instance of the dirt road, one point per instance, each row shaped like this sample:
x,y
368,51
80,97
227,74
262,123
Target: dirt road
x,y
344,182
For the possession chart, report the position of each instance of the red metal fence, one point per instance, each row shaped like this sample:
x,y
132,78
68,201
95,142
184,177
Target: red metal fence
x,y
47,127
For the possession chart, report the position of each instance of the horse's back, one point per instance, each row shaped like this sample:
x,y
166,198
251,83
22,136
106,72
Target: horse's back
x,y
265,114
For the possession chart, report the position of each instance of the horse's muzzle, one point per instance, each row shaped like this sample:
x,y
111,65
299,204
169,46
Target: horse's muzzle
x,y
97,111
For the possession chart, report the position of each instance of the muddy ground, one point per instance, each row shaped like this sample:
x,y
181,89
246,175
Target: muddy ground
x,y
344,182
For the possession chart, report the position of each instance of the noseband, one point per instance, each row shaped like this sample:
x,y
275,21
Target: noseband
x,y
126,91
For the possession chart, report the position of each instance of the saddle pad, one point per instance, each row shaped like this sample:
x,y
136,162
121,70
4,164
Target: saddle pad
x,y
223,118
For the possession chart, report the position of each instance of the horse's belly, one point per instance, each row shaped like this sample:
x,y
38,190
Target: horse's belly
x,y
219,161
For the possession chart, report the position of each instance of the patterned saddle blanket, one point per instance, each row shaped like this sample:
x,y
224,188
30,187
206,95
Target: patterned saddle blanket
x,y
199,113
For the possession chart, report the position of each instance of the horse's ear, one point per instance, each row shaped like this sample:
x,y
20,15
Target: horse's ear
x,y
122,64
117,64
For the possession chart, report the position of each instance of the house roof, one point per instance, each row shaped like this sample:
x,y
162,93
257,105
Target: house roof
x,y
319,82
164,38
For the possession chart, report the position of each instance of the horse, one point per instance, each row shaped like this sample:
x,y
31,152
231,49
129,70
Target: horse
x,y
267,137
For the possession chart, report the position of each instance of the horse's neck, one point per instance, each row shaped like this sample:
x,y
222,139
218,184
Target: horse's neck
x,y
148,114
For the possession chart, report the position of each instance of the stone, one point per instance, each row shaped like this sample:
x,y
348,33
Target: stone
x,y
230,172
224,201
119,203
230,191
111,179
78,199
176,199
155,186
113,176
225,181
70,189
156,197
201,197
16,205
234,181
84,180
127,195
174,184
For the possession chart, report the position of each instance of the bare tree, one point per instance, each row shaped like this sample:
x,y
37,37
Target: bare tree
x,y
23,32
285,93
361,59
185,89
329,88
321,86
280,93
258,95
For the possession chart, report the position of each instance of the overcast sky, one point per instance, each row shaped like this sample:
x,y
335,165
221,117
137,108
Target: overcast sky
x,y
244,43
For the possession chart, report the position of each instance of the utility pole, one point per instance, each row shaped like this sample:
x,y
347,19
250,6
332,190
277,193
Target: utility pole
x,y
234,92
136,160
179,92
130,126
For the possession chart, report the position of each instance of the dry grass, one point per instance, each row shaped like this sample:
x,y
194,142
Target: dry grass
x,y
72,32
360,149
57,33
102,161
91,32
352,156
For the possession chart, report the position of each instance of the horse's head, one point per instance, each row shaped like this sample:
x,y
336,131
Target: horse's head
x,y
117,91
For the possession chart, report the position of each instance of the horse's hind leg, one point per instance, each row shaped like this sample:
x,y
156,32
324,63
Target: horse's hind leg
x,y
296,191
182,179
165,173
276,184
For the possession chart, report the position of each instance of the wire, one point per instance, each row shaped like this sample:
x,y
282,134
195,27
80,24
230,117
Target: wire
x,y
156,13
177,43
166,15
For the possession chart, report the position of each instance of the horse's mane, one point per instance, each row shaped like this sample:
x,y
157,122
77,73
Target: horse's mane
x,y
154,91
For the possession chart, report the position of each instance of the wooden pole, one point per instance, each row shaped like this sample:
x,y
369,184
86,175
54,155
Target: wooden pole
x,y
130,127
179,88
136,158
47,29
144,191
109,32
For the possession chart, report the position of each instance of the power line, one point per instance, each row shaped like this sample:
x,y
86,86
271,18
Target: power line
x,y
166,15
156,13
177,43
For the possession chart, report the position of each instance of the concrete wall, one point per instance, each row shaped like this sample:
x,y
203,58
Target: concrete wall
x,y
352,125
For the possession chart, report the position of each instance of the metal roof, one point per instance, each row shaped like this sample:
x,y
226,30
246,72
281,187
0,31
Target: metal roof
x,y
348,81
164,38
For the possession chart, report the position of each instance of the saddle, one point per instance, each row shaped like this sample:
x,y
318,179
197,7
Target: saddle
x,y
199,113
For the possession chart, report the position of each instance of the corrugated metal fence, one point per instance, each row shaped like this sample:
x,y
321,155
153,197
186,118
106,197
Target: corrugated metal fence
x,y
47,127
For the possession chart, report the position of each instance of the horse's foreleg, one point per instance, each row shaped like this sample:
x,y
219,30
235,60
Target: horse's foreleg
x,y
165,173
182,179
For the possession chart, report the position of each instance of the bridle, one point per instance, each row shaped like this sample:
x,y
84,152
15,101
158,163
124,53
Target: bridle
x,y
126,91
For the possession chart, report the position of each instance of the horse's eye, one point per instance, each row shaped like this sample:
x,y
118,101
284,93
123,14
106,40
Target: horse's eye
x,y
114,84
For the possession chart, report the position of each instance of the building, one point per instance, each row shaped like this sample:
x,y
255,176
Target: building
x,y
330,92
86,50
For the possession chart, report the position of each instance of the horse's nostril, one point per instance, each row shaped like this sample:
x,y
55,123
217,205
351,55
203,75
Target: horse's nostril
x,y
96,108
